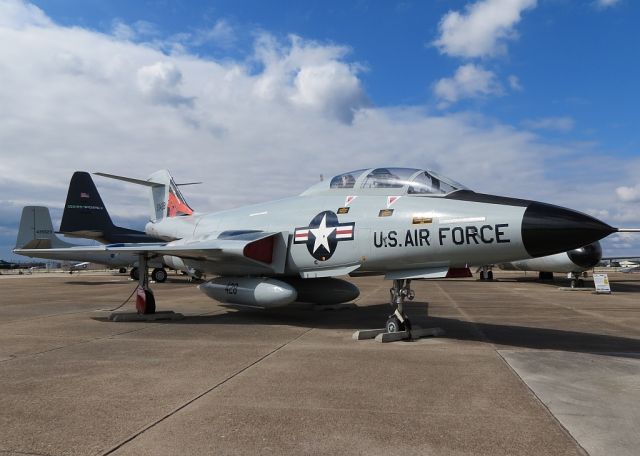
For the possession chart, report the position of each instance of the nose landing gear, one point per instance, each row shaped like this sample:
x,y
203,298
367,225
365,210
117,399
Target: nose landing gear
x,y
398,326
398,320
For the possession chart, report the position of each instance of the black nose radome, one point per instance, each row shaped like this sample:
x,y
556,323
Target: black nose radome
x,y
548,229
587,256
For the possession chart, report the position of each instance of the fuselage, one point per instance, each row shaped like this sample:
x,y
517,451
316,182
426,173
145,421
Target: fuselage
x,y
411,232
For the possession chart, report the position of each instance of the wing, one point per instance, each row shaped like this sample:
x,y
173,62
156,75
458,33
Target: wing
x,y
241,252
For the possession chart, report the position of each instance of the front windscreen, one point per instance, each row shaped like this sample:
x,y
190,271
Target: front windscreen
x,y
427,183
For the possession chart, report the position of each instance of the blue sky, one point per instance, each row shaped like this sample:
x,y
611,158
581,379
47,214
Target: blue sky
x,y
528,98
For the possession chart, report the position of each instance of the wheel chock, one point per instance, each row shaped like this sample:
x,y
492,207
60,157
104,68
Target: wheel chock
x,y
381,334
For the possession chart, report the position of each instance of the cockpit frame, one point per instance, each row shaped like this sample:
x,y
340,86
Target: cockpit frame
x,y
388,181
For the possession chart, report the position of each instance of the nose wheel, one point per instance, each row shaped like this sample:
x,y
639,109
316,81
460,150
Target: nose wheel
x,y
398,321
398,326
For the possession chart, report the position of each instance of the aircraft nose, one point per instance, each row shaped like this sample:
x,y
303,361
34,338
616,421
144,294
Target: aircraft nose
x,y
587,256
548,229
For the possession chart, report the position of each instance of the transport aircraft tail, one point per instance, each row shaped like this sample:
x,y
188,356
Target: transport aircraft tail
x,y
36,230
85,215
166,198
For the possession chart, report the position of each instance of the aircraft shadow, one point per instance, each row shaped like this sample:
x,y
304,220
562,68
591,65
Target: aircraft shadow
x,y
505,335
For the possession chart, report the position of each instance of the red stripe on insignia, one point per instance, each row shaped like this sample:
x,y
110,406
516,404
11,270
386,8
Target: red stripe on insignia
x,y
349,231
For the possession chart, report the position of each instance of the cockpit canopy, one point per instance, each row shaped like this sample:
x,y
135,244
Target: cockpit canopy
x,y
397,181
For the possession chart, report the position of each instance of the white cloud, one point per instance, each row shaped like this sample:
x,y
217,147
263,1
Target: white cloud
x,y
18,15
602,4
629,194
561,124
514,83
130,32
469,81
309,75
221,34
161,83
482,29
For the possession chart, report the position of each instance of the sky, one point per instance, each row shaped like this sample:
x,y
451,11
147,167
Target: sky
x,y
528,98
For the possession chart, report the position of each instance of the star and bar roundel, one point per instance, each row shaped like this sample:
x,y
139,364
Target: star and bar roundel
x,y
323,234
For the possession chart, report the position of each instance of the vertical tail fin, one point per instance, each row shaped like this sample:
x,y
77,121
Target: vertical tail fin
x,y
85,215
36,230
173,204
166,198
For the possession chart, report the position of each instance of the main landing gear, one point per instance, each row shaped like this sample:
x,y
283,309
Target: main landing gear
x,y
398,326
486,273
158,275
145,300
576,279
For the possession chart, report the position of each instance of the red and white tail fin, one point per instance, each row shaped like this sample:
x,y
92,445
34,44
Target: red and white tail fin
x,y
166,198
173,204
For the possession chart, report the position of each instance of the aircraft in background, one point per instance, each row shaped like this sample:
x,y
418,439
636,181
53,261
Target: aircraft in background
x,y
84,216
8,265
78,267
401,223
29,265
575,263
36,238
624,264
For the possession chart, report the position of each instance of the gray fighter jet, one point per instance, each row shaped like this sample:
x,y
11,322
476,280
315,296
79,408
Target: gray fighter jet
x,y
401,223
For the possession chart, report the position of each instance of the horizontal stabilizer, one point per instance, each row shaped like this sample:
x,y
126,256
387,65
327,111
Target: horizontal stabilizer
x,y
130,180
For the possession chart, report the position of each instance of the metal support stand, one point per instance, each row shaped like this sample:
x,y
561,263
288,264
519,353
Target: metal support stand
x,y
398,326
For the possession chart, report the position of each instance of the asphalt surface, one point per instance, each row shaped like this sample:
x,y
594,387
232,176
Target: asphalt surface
x,y
524,368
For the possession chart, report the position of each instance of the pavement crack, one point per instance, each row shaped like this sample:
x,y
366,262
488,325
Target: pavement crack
x,y
204,393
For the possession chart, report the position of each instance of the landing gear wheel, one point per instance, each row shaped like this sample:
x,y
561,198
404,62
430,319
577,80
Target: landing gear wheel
x,y
573,283
482,277
122,270
145,302
393,325
134,274
490,275
580,283
159,275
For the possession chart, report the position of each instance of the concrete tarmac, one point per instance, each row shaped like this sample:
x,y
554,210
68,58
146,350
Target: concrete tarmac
x,y
524,368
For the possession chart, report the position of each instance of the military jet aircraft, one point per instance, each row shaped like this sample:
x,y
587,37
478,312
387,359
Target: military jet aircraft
x,y
574,263
401,223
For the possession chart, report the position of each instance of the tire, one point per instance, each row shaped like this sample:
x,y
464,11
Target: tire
x,y
122,270
134,274
573,283
145,304
150,308
490,275
580,283
159,275
482,277
393,325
